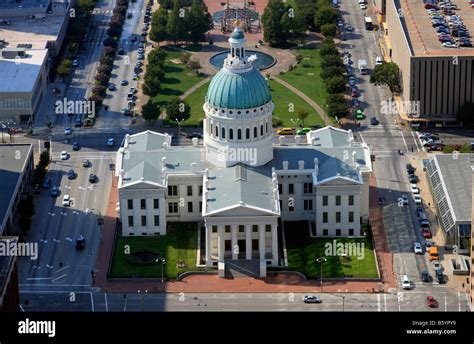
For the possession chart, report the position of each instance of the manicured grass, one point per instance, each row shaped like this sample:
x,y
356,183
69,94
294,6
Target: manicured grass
x,y
179,244
285,100
303,251
282,97
178,78
306,76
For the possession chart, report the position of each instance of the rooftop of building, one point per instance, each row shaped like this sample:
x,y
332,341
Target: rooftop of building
x,y
6,262
21,74
12,162
457,176
420,33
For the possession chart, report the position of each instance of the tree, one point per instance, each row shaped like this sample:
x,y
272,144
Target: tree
x,y
104,69
193,64
336,84
157,57
176,28
110,42
44,158
325,15
159,21
109,51
63,69
328,49
331,71
337,105
177,109
199,21
184,58
271,21
152,83
40,172
302,115
106,60
102,79
150,111
329,30
331,60
466,114
100,90
387,74
114,31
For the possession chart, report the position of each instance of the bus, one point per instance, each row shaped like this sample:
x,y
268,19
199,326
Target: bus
x,y
368,23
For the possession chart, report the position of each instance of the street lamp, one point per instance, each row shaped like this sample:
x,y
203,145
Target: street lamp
x,y
143,298
163,261
100,220
343,297
321,260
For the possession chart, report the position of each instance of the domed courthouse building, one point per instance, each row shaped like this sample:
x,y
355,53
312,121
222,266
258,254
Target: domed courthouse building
x,y
242,184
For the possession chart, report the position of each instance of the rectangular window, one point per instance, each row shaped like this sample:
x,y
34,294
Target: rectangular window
x,y
338,200
280,189
325,200
143,204
130,221
351,199
338,217
308,204
351,231
173,207
190,207
291,189
338,232
308,188
281,205
200,190
255,228
214,229
172,190
227,229
268,228
200,207
241,228
190,190
156,203
156,220
325,232
130,203
291,208
325,217
143,220
351,216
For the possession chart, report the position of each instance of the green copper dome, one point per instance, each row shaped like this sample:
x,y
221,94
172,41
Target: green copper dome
x,y
237,34
238,90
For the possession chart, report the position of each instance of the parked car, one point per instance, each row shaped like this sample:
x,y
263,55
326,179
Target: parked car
x,y
64,155
303,131
432,302
198,135
425,276
92,178
374,121
439,276
124,82
414,189
286,131
413,178
67,131
76,146
417,199
404,199
410,169
75,63
426,233
406,283
86,163
71,174
381,201
47,183
311,299
417,248
450,45
66,201
111,87
80,242
110,142
363,6
55,191
437,265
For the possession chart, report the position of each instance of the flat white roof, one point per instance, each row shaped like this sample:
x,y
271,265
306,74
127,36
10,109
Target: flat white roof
x,y
21,75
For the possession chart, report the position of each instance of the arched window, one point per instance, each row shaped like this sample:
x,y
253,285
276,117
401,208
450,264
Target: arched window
x,y
217,131
261,129
247,133
239,134
223,133
254,132
266,127
231,134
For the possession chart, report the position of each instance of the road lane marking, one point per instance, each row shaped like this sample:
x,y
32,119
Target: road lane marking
x,y
38,279
378,303
415,140
403,137
92,302
459,301
51,214
106,303
55,280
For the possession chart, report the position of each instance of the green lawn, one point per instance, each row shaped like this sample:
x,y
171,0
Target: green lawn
x,y
282,97
306,76
179,244
285,100
303,251
178,78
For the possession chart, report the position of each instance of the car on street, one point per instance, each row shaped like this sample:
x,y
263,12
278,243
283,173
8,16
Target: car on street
x,y
432,302
75,63
404,199
417,248
426,233
92,178
414,189
133,39
437,265
363,6
111,87
47,183
413,178
450,45
86,163
410,169
80,242
64,155
71,174
378,60
425,276
55,191
311,299
124,82
67,131
66,201
374,121
349,28
354,92
110,142
406,283
439,276
417,199
76,146
352,81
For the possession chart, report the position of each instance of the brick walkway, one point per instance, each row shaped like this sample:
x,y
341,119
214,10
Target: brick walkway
x,y
212,283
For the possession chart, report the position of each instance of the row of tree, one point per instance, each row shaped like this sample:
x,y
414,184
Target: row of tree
x,y
180,21
333,75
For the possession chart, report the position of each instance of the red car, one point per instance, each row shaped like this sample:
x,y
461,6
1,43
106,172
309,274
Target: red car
x,y
426,233
354,93
431,6
432,302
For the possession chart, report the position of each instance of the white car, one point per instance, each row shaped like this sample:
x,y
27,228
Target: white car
x,y
417,248
378,60
66,201
406,283
449,45
437,265
110,142
414,189
64,155
75,63
417,199
363,6
404,199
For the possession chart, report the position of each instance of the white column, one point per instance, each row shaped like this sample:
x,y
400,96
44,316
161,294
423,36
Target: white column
x,y
235,248
220,242
275,244
208,245
248,241
261,241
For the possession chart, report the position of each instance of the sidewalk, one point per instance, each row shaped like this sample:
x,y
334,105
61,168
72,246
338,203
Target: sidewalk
x,y
214,284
